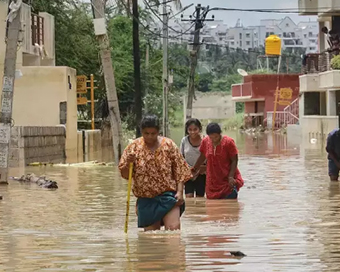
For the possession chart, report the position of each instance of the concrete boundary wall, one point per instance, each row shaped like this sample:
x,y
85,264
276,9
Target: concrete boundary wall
x,y
93,142
48,144
37,144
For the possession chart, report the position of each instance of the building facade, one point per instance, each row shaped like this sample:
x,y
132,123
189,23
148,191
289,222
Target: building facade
x,y
45,95
319,103
258,93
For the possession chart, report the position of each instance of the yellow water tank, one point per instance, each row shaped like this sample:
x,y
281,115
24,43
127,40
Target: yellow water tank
x,y
273,45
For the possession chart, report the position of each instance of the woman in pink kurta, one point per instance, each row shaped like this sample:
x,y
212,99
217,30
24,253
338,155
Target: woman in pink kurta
x,y
224,180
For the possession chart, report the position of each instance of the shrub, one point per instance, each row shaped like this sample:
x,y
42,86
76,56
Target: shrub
x,y
335,63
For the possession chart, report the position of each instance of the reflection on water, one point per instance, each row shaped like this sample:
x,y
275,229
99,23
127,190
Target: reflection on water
x,y
286,219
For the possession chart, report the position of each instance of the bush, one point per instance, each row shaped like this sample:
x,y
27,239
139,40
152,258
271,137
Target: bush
x,y
335,63
234,122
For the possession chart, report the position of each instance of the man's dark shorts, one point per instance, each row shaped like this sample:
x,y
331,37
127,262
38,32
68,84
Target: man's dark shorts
x,y
333,170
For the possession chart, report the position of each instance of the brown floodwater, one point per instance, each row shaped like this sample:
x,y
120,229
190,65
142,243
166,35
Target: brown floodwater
x,y
286,219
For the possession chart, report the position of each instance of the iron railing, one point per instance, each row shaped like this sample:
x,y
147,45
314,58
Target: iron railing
x,y
317,62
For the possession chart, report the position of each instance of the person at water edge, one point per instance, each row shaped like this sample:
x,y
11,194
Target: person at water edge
x,y
159,174
333,150
224,179
190,145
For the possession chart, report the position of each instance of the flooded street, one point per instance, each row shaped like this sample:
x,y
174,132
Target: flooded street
x,y
286,219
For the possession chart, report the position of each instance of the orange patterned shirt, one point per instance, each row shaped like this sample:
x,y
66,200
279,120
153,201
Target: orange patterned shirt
x,y
156,172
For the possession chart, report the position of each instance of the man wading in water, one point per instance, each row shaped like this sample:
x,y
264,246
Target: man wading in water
x,y
333,150
159,174
224,180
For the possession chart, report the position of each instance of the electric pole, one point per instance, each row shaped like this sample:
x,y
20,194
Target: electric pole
x,y
13,31
199,20
98,9
136,62
147,78
165,69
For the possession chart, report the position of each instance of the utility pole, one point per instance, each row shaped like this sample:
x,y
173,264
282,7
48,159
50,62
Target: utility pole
x,y
13,31
136,62
165,69
199,19
147,54
92,101
98,9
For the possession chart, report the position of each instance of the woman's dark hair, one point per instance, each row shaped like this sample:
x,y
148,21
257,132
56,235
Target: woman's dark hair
x,y
192,121
150,121
213,128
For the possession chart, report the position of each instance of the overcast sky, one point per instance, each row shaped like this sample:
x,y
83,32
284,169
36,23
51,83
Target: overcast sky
x,y
247,18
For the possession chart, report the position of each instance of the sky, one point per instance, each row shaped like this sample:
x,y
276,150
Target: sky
x,y
247,18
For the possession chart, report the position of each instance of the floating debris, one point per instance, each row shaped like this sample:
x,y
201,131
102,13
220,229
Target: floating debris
x,y
40,164
40,181
85,164
237,254
80,164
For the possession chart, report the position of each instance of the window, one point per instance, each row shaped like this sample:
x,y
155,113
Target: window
x,y
305,35
248,35
312,103
267,34
255,35
247,43
240,36
62,113
232,43
240,44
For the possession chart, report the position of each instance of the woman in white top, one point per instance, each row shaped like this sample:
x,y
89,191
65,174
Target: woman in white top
x,y
190,150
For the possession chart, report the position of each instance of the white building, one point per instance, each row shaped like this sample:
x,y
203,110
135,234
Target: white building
x,y
213,31
245,37
302,35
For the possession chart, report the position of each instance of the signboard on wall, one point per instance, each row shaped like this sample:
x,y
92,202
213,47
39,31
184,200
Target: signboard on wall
x,y
81,84
285,97
81,100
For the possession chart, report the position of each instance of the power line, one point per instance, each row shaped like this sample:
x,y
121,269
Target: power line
x,y
157,16
283,10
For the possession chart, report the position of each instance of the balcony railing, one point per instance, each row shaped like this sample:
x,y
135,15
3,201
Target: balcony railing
x,y
317,62
241,90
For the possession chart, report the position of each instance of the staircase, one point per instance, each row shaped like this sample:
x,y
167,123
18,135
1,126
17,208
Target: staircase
x,y
292,113
289,116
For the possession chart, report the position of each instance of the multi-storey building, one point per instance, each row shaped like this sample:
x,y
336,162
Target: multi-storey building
x,y
302,35
319,103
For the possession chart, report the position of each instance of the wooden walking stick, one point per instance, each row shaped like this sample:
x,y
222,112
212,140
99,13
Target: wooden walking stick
x,y
128,197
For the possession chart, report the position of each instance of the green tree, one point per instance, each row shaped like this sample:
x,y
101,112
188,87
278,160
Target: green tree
x,y
204,82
